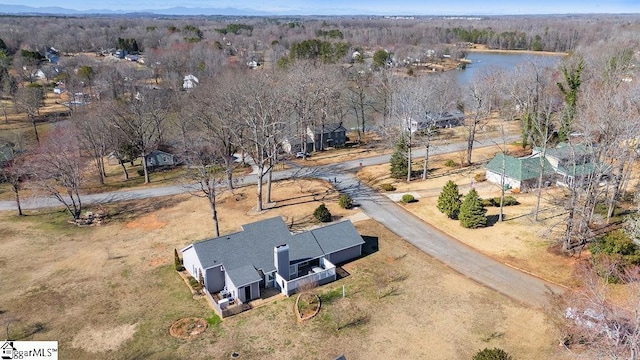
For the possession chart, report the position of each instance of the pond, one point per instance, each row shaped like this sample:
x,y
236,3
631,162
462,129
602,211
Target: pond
x,y
485,60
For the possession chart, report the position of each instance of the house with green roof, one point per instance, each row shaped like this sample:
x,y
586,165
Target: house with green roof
x,y
571,162
519,173
265,254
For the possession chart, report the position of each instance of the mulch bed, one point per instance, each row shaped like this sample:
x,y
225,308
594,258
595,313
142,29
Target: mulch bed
x,y
188,328
311,306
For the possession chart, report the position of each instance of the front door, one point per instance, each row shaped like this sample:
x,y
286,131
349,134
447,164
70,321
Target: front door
x,y
247,293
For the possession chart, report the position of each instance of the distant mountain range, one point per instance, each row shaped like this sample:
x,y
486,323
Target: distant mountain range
x,y
180,11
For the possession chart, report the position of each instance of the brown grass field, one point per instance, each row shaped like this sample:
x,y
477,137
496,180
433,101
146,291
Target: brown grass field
x,y
110,291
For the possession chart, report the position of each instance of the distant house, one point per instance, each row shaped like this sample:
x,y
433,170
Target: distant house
x,y
252,64
131,57
159,158
120,54
7,153
265,254
519,173
39,74
438,120
327,135
324,136
446,119
189,82
52,55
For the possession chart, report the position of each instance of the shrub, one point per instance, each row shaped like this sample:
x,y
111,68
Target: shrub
x,y
492,354
408,198
615,247
177,262
472,211
140,172
322,214
508,201
345,201
480,177
449,200
450,163
195,285
387,187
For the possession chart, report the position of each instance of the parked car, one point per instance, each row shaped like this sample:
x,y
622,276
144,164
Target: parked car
x,y
302,154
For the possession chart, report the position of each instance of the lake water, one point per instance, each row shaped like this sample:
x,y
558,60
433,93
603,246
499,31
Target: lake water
x,y
484,60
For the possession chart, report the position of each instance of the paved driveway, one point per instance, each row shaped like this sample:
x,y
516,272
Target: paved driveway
x,y
513,283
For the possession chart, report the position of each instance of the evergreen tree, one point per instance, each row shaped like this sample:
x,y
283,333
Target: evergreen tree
x,y
399,160
322,213
449,200
177,261
472,211
570,93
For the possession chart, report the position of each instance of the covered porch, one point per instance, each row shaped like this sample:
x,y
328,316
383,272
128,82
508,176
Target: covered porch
x,y
318,272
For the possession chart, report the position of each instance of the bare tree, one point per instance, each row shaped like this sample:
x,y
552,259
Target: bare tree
x,y
140,120
441,95
262,107
57,168
310,92
29,99
204,164
358,97
13,173
479,101
212,111
93,135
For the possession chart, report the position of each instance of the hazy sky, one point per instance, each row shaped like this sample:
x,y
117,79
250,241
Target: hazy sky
x,y
388,7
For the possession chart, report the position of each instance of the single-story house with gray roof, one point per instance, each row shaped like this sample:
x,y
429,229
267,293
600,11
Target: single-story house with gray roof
x,y
265,254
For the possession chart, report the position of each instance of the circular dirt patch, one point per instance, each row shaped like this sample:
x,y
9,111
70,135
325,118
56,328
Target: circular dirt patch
x,y
188,328
307,306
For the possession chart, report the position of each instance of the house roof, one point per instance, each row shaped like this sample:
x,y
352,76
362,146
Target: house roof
x,y
331,127
190,77
159,152
519,169
444,116
578,169
564,151
7,152
243,275
337,236
244,252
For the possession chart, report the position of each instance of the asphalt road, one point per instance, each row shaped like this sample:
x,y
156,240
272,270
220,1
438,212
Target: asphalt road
x,y
327,171
513,283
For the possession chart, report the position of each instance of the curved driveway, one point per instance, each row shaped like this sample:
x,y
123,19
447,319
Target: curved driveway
x,y
519,286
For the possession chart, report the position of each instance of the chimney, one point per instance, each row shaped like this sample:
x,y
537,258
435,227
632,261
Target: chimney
x,y
281,260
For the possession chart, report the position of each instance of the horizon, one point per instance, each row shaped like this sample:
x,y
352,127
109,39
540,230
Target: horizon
x,y
354,7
